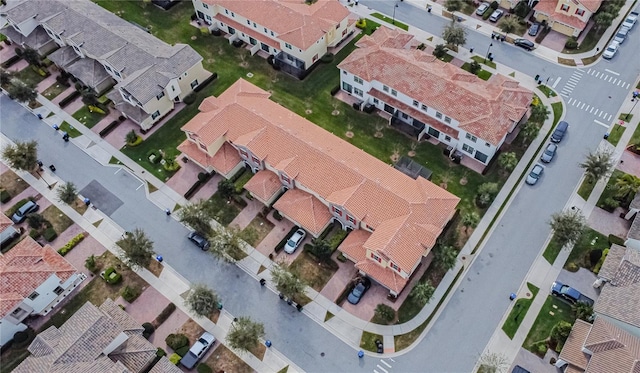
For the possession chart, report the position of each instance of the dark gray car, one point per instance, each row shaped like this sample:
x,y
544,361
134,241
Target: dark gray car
x,y
524,43
23,211
559,132
199,240
535,174
549,153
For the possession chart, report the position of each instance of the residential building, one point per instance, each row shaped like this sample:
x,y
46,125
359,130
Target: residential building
x,y
94,339
428,98
633,236
568,17
315,178
620,295
599,348
100,49
34,280
296,34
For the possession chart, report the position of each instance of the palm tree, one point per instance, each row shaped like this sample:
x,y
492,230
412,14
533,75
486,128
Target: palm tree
x,y
67,193
597,165
627,186
445,257
422,292
454,34
202,301
530,131
198,216
567,227
21,156
245,334
439,51
137,247
228,244
508,24
539,113
508,161
583,311
470,220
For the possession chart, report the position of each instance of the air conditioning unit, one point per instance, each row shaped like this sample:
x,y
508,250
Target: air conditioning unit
x,y
598,283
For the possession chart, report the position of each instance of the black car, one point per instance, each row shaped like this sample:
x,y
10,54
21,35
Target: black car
x,y
534,29
524,43
199,240
358,291
559,132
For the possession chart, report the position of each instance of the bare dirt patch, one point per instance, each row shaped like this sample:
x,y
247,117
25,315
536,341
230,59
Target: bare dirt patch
x,y
224,360
79,206
192,330
155,267
315,273
259,351
12,183
57,218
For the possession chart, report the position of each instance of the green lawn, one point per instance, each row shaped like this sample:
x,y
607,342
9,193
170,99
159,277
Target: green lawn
x,y
226,211
368,341
481,60
616,134
518,312
547,91
391,21
579,256
553,311
29,77
482,74
72,131
557,112
626,117
89,119
586,188
589,42
635,138
54,90
552,250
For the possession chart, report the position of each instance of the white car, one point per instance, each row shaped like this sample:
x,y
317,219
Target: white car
x,y
295,240
482,9
611,50
630,20
496,15
197,351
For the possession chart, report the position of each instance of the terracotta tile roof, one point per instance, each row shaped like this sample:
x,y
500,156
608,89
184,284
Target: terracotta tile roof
x,y
78,345
336,171
383,275
304,209
389,38
193,151
294,22
486,109
25,267
591,5
548,7
226,159
572,349
5,222
353,245
614,350
249,31
264,185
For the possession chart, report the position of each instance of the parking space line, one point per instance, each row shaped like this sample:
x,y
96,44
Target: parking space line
x,y
573,80
619,82
584,103
596,113
557,81
598,74
571,99
563,95
612,72
601,113
610,79
575,102
614,81
627,86
385,363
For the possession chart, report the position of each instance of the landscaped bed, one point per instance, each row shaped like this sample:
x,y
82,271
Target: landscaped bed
x,y
316,274
553,311
580,254
226,210
224,360
260,228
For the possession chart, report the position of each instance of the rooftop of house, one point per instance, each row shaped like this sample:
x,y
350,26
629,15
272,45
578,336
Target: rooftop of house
x,y
294,21
572,349
5,222
549,7
25,267
486,109
407,215
634,230
104,339
146,63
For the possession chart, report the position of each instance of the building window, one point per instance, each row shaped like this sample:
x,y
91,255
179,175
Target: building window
x,y
358,91
471,137
447,138
580,12
447,119
315,58
385,88
58,290
487,144
266,31
248,22
424,107
467,148
394,266
107,68
203,147
564,7
16,312
33,295
272,33
357,79
285,179
243,153
233,15
405,116
160,95
255,159
205,6
375,101
370,228
209,18
118,74
416,103
173,88
226,11
438,115
351,219
336,210
394,92
194,84
287,45
376,258
155,115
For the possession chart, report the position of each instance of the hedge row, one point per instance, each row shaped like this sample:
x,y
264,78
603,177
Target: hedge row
x,y
206,82
198,184
70,98
11,61
4,196
164,315
71,244
280,244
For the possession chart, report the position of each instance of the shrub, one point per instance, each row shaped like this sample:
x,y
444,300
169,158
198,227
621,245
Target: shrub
x,y
277,216
486,15
341,258
175,358
572,267
613,239
90,263
129,294
49,234
175,341
182,350
361,24
572,43
34,234
327,58
11,61
62,80
594,256
189,99
95,109
494,5
335,90
610,204
384,312
107,130
164,315
71,244
19,52
111,276
67,100
135,142
4,196
284,240
474,67
204,368
170,165
148,330
160,352
597,267
35,220
203,177
20,337
210,79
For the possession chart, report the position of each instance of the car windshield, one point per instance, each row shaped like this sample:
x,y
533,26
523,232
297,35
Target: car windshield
x,y
357,291
291,243
549,151
611,48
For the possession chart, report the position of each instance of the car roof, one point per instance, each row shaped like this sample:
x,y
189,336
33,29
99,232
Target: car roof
x,y
552,145
537,166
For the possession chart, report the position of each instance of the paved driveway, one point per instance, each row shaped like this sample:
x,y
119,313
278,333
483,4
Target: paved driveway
x,y
582,281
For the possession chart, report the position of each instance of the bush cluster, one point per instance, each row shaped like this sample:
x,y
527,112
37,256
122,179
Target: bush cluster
x,y
50,234
107,276
71,244
4,196
164,315
176,341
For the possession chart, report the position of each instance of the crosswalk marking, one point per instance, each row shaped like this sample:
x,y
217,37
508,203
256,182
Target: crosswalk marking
x,y
589,108
381,368
385,363
600,123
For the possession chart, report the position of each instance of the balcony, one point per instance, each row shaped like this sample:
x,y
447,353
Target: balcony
x,y
290,64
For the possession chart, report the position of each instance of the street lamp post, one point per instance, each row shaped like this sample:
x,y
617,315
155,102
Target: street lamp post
x,y
487,55
635,101
393,21
42,177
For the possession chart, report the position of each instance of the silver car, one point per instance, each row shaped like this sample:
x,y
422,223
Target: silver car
x,y
535,174
549,153
495,16
482,9
295,240
621,35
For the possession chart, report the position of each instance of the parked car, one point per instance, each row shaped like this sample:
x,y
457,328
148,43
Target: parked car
x,y
482,9
496,15
535,174
549,153
295,240
524,43
631,20
621,35
358,291
199,240
534,29
565,291
197,351
559,132
611,50
23,211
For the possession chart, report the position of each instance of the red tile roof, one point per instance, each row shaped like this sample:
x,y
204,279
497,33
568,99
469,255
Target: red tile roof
x,y
264,185
353,245
306,210
549,7
5,222
25,267
383,275
294,22
192,150
226,159
614,349
486,109
572,349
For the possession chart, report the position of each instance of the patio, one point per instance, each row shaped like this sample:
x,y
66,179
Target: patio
x,y
187,175
9,51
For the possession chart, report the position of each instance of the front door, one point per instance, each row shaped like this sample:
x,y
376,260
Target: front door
x,y
347,87
264,47
232,30
389,109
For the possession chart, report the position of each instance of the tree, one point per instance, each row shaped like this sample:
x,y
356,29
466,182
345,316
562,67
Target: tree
x,y
539,113
529,131
445,257
454,34
454,5
491,362
137,247
131,137
5,76
474,67
198,216
320,248
583,311
288,283
67,193
245,334
21,92
486,193
470,220
508,161
21,156
567,227
627,186
559,333
603,19
439,51
508,24
227,243
31,56
384,312
597,165
226,188
422,292
202,301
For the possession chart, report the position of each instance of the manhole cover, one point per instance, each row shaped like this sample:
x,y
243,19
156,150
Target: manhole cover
x,y
322,354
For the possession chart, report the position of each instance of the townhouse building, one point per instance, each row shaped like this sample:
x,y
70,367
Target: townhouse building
x,y
568,17
314,178
428,98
